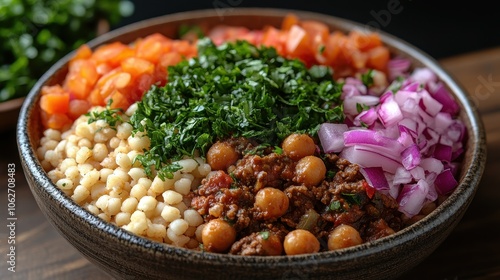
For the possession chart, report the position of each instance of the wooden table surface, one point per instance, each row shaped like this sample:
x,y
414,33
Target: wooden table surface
x,y
471,251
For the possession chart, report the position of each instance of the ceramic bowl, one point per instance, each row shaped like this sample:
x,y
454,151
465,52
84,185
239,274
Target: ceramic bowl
x,y
124,255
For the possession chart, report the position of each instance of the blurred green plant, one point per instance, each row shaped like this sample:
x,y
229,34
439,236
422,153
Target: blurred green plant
x,y
34,34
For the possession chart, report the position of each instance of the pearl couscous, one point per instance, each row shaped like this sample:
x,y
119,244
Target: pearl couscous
x,y
94,165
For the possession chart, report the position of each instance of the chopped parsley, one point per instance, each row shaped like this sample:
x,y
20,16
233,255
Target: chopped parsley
x,y
335,205
277,150
367,78
361,107
330,174
233,90
321,49
264,234
111,116
396,84
352,198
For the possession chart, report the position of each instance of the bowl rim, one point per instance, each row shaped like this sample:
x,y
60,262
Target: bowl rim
x,y
465,190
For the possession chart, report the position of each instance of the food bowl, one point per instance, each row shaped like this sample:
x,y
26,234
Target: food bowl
x,y
122,254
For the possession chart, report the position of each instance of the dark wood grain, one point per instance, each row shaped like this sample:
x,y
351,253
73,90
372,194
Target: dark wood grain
x,y
472,251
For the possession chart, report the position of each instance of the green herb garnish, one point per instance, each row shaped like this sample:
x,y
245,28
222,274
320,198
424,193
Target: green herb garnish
x,y
257,150
395,86
330,174
234,184
335,205
361,107
352,198
264,234
234,90
277,150
321,49
367,78
111,116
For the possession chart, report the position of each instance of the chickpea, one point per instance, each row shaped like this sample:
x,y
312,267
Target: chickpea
x,y
297,146
343,236
300,241
217,236
221,155
310,171
271,244
273,203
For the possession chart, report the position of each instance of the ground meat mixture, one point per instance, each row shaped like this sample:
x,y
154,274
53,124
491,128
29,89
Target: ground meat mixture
x,y
262,197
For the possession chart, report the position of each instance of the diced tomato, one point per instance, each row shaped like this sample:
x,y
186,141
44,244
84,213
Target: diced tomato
x,y
55,103
359,59
149,50
273,37
333,49
119,100
115,79
77,108
297,41
184,48
136,90
57,121
289,21
78,86
169,59
103,68
110,53
365,41
136,66
370,191
95,98
317,31
83,52
378,58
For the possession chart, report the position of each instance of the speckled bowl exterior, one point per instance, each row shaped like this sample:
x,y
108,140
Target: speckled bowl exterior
x,y
124,255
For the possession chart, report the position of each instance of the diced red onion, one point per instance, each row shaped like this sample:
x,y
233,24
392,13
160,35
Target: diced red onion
x,y
430,105
418,173
457,153
351,104
367,117
410,157
432,194
431,165
423,76
390,113
375,177
407,143
411,86
353,87
441,122
412,198
442,152
402,176
398,67
445,182
367,158
331,136
371,137
443,96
